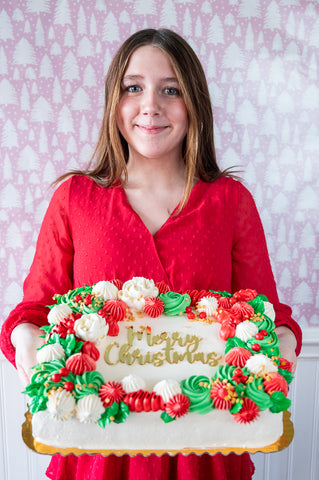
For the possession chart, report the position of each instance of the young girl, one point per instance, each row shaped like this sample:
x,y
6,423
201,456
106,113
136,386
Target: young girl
x,y
154,203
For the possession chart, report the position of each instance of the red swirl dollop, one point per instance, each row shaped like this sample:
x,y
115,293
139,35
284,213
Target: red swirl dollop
x,y
197,295
90,349
243,310
153,307
162,287
80,363
116,308
237,356
245,295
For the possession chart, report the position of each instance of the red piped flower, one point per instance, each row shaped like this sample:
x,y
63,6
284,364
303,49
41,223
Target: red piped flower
x,y
237,356
243,310
111,392
245,295
223,395
248,413
80,363
197,295
177,406
115,308
285,365
90,349
153,307
274,382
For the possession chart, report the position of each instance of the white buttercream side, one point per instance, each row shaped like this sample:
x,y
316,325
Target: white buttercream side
x,y
148,431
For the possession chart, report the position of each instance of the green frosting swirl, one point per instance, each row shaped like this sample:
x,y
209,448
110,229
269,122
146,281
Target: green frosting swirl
x,y
269,345
80,307
258,303
175,303
264,323
255,391
197,389
88,383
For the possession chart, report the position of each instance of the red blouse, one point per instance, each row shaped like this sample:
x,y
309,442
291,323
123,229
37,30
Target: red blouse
x,y
91,233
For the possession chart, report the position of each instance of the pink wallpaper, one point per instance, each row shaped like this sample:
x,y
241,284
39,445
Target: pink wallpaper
x,y
261,59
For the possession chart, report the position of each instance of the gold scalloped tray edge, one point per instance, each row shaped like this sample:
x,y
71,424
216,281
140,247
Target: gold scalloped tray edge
x,y
280,444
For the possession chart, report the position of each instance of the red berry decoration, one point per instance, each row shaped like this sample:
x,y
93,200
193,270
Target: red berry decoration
x,y
78,298
259,336
63,372
68,386
88,299
202,315
256,347
191,315
264,332
188,309
56,377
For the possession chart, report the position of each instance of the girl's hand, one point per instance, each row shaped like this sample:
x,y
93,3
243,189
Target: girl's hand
x,y
287,345
25,339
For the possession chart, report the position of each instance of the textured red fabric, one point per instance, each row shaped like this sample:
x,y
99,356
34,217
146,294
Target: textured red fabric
x,y
91,233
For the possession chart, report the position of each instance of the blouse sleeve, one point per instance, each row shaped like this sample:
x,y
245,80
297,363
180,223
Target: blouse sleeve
x,y
51,271
250,260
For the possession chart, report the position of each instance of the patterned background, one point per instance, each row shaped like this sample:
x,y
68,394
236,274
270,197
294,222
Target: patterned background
x,y
261,59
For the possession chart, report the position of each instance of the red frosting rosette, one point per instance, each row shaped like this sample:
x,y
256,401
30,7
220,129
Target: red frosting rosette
x,y
177,406
153,307
237,356
80,363
248,413
111,392
244,295
90,349
274,382
113,311
197,295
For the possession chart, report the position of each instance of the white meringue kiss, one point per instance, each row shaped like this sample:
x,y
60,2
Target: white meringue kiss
x,y
52,351
167,389
106,290
59,313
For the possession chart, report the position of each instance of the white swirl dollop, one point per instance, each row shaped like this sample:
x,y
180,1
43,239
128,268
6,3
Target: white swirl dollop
x,y
91,327
260,364
133,383
208,305
106,290
246,330
61,404
89,409
135,291
49,352
59,313
167,389
269,310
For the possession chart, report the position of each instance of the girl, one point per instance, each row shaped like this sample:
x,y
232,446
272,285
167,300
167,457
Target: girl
x,y
154,203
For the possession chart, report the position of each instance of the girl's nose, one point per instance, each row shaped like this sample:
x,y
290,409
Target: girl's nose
x,y
151,103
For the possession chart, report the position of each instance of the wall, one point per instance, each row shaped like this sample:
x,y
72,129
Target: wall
x,y
261,59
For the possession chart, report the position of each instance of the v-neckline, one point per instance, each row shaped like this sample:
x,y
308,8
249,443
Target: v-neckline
x,y
168,220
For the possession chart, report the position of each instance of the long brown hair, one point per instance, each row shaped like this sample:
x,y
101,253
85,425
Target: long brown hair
x,y
108,163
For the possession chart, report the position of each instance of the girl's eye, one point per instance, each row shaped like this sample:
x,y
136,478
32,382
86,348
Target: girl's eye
x,y
172,91
133,88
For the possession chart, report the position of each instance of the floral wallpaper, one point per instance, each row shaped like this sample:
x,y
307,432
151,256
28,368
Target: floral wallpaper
x,y
261,59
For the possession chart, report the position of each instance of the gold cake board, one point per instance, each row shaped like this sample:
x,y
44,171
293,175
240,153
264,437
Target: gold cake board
x,y
280,444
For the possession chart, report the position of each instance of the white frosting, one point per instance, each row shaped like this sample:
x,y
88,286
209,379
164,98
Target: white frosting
x,y
133,383
260,364
135,291
59,313
61,404
167,389
106,290
269,310
91,327
246,330
207,305
89,409
51,351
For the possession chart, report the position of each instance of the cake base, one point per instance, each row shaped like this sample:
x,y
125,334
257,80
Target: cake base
x,y
38,446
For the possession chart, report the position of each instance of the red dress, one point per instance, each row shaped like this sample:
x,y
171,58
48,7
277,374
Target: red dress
x,y
91,233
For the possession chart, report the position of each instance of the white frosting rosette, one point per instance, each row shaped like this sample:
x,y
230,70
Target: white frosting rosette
x,y
135,291
61,404
59,313
167,389
246,330
91,327
260,364
49,352
89,409
208,305
106,290
269,310
133,383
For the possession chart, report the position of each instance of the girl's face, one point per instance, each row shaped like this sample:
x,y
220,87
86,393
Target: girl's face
x,y
152,115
